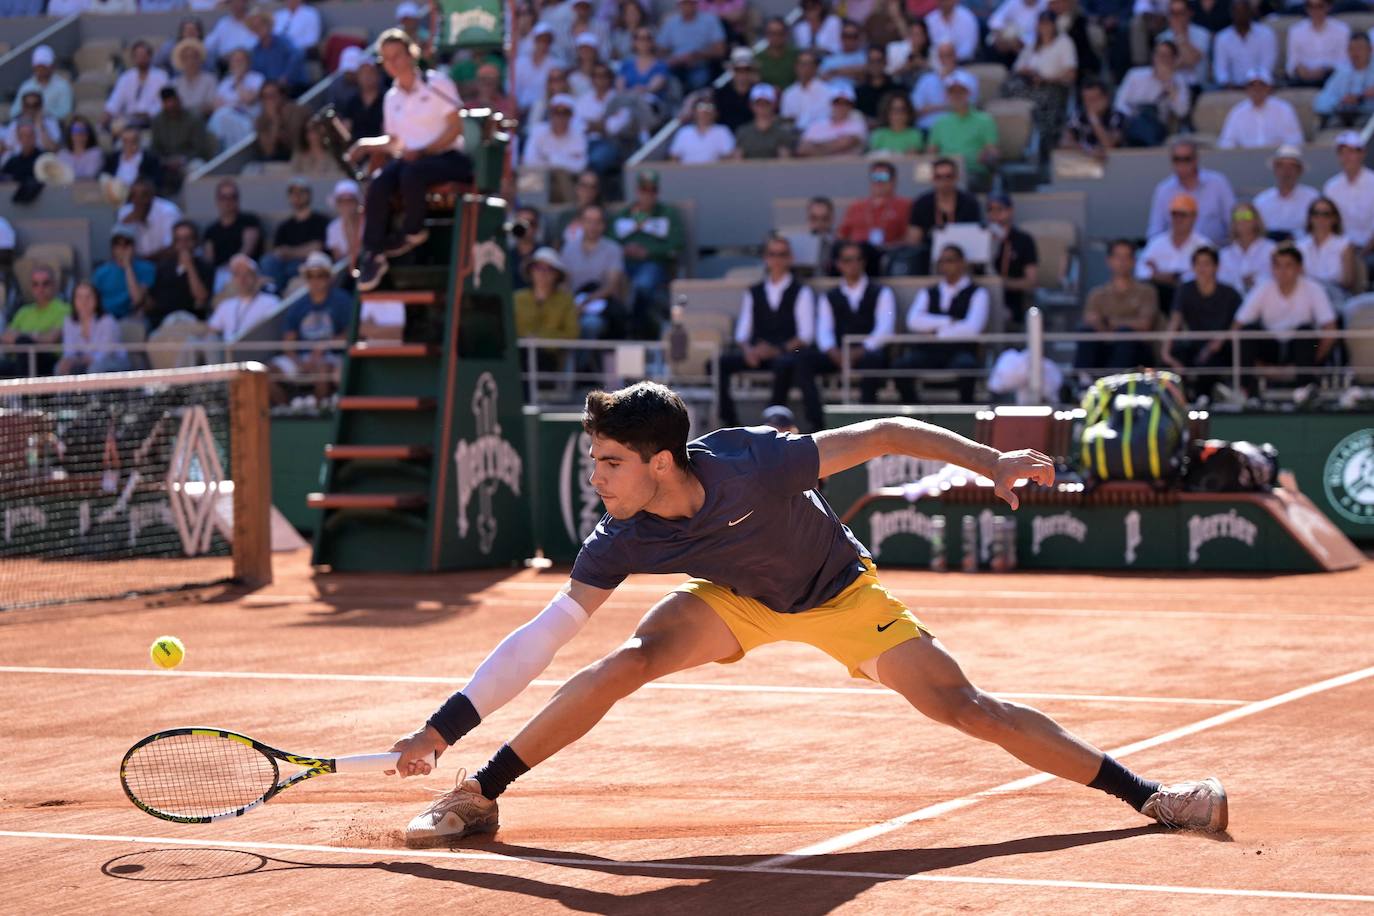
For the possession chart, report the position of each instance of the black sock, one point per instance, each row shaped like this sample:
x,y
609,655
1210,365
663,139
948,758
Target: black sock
x,y
501,770
1114,779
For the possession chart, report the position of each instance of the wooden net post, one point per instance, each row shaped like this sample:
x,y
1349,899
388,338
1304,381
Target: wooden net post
x,y
251,460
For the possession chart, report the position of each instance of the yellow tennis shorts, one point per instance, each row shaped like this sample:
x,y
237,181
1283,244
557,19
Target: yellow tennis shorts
x,y
859,624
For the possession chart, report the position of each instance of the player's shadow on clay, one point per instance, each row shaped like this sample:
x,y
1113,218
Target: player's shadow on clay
x,y
720,883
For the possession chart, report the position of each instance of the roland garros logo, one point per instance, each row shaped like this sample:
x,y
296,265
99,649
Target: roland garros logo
x,y
1349,477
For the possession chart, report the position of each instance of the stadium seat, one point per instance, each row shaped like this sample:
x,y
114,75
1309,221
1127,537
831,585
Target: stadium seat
x,y
1359,316
990,78
1358,21
97,55
54,254
1302,101
749,272
338,39
86,90
1281,25
1014,125
1209,114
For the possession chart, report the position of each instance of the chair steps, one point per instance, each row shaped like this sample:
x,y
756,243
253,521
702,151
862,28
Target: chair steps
x,y
381,501
385,402
377,452
393,350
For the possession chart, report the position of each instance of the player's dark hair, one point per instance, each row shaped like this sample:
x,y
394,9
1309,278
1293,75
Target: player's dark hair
x,y
646,417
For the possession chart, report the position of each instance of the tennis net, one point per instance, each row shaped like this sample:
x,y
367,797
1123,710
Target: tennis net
x,y
132,482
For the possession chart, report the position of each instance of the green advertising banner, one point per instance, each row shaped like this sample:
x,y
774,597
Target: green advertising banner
x,y
481,496
1330,454
471,23
1208,535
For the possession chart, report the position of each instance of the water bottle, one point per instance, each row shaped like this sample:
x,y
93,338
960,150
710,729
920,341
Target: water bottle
x,y
1009,544
969,529
939,562
31,455
677,333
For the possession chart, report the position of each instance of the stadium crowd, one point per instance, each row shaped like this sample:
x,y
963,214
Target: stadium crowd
x,y
705,81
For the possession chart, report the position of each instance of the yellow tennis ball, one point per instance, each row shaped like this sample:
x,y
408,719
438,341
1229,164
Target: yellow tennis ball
x,y
167,651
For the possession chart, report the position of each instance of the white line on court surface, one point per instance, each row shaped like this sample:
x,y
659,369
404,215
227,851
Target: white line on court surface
x,y
653,685
864,834
688,868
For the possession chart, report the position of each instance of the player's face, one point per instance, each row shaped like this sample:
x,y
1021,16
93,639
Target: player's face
x,y
624,481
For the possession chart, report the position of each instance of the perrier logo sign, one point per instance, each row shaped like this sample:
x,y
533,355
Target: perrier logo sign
x,y
1349,477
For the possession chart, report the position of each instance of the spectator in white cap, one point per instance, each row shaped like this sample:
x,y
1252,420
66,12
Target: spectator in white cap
x,y
1284,206
586,55
532,70
1260,121
703,141
57,92
343,235
695,44
322,314
732,99
1348,95
363,112
964,131
1316,46
808,99
559,142
765,137
299,22
1352,189
411,19
843,133
247,304
928,98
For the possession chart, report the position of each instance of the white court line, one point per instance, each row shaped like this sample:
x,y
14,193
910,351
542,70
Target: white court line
x,y
864,834
610,865
652,685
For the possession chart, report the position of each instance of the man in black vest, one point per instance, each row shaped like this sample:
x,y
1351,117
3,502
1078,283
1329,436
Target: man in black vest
x,y
855,306
776,330
952,308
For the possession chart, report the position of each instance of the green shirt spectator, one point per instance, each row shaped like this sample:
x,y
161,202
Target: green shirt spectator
x,y
777,63
967,135
902,142
649,231
34,320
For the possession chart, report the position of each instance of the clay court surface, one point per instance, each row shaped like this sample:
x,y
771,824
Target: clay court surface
x,y
776,785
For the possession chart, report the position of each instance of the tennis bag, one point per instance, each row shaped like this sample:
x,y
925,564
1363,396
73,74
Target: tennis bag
x,y
1136,428
1218,466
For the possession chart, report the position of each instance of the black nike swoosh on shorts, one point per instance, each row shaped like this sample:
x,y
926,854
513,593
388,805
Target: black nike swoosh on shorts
x,y
886,625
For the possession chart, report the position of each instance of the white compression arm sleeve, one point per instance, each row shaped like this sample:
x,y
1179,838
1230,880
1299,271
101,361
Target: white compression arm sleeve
x,y
524,654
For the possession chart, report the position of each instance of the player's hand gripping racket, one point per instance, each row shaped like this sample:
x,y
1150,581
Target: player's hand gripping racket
x,y
200,775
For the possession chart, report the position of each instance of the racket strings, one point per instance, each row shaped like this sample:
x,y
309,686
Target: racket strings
x,y
198,775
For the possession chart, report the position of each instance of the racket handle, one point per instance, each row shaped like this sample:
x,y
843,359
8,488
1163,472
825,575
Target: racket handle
x,y
371,763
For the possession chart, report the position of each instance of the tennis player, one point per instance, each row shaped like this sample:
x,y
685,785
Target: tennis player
x,y
738,510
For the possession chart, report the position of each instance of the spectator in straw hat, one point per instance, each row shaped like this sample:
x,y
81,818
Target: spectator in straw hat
x,y
187,27
57,92
193,82
1284,206
546,308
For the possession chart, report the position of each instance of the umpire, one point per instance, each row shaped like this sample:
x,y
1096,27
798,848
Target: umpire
x,y
424,140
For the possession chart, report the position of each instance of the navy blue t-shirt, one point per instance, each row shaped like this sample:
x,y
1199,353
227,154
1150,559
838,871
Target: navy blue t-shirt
x,y
763,531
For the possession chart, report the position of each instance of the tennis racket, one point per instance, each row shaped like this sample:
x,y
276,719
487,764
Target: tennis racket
x,y
202,775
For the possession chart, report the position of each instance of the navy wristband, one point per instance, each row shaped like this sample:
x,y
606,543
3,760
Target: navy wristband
x,y
455,718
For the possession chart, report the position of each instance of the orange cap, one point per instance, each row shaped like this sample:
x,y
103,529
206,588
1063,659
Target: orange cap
x,y
1183,203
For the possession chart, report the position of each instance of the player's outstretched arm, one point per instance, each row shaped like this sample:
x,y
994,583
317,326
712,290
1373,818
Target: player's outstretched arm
x,y
520,658
843,448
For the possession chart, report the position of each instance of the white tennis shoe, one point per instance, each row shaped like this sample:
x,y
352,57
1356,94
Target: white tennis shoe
x,y
460,812
1196,805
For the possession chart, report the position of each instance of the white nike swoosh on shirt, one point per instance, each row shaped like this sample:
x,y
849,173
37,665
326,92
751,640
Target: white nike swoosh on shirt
x,y
741,518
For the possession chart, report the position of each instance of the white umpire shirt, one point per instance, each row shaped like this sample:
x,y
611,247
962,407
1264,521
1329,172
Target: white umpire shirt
x,y
418,117
884,315
804,310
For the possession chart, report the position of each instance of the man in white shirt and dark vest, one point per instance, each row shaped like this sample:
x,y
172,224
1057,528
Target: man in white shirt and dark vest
x,y
424,138
856,306
950,309
775,331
